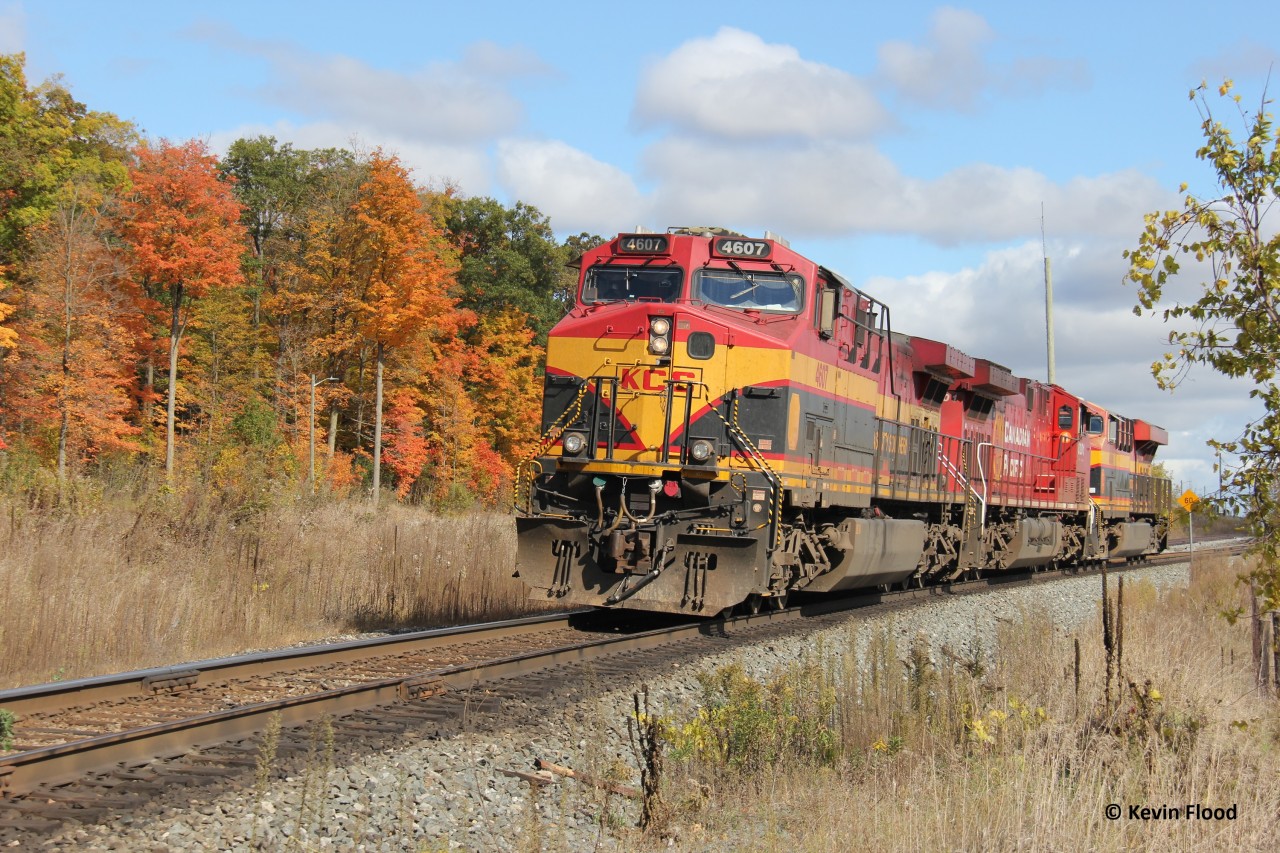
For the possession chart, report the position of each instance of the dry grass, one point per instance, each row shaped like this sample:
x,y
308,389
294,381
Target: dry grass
x,y
1007,757
117,585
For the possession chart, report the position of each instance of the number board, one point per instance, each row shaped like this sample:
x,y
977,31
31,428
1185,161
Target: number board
x,y
643,244
739,247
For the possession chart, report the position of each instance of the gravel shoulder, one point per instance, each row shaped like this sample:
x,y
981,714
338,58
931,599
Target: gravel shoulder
x,y
446,790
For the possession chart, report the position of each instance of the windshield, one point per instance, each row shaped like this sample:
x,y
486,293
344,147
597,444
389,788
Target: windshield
x,y
619,283
761,291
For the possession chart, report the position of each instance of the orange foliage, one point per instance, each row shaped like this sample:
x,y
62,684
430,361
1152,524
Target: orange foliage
x,y
399,263
339,473
398,269
182,221
8,337
505,385
74,371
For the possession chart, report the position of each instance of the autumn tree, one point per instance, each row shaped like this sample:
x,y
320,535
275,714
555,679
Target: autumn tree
x,y
80,329
1226,241
297,204
46,139
504,382
398,268
182,224
46,136
282,190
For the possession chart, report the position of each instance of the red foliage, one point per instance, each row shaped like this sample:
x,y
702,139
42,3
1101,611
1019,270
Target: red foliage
x,y
406,450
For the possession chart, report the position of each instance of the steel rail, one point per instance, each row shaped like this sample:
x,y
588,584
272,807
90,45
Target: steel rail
x,y
24,772
50,766
60,695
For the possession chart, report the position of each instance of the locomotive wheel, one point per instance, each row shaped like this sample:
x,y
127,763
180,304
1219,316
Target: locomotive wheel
x,y
778,601
752,604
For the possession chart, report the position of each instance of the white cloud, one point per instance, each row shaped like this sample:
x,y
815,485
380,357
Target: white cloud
x,y
431,164
486,58
734,85
443,104
451,103
1244,58
827,188
577,191
995,310
950,70
13,28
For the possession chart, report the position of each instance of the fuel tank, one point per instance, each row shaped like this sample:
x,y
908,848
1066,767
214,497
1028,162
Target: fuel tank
x,y
1038,541
870,552
1129,539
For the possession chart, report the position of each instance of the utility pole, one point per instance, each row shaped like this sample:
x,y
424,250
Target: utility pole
x,y
1048,297
311,450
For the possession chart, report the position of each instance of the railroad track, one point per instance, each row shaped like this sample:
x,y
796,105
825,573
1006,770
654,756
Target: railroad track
x,y
85,748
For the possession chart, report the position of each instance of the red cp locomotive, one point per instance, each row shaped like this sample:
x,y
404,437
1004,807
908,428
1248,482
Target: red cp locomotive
x,y
726,422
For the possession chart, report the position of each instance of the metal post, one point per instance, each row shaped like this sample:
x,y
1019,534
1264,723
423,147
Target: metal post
x,y
1191,533
311,432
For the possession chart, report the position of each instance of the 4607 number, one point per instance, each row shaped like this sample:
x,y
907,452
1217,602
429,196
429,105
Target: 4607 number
x,y
737,248
643,244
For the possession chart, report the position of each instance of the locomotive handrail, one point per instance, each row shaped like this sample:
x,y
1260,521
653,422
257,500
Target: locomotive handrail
x,y
963,480
982,475
749,451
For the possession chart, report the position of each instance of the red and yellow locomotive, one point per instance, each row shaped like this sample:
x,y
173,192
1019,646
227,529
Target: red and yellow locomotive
x,y
726,422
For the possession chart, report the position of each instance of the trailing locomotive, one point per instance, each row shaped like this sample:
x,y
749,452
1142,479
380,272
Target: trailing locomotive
x,y
726,422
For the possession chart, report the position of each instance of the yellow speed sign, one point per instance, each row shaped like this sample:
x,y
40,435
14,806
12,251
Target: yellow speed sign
x,y
1189,500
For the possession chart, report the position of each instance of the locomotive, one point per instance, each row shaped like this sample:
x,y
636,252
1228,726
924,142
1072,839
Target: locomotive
x,y
726,422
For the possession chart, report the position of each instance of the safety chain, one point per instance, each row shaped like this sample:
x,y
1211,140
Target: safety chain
x,y
549,438
775,508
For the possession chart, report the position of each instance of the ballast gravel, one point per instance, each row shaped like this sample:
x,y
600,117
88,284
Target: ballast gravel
x,y
423,792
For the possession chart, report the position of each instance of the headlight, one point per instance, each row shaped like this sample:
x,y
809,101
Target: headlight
x,y
660,335
574,443
701,450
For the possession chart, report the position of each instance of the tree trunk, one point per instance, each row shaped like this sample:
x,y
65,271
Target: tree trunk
x,y
1255,619
1268,642
333,432
175,335
149,385
65,419
377,431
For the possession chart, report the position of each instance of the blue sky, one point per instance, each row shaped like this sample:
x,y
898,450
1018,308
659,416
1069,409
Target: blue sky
x,y
911,146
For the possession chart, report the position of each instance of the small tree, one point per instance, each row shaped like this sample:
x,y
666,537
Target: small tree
x,y
1234,323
